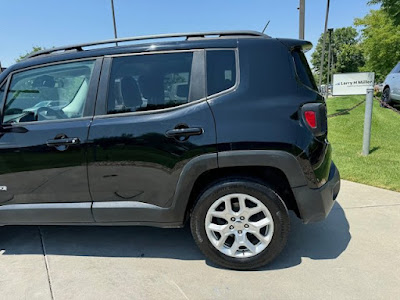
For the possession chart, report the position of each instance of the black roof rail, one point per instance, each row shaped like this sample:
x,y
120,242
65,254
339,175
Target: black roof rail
x,y
79,47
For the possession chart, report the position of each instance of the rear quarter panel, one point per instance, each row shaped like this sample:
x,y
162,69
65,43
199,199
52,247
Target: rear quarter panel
x,y
263,112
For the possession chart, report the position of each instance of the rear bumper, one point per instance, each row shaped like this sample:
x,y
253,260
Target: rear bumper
x,y
315,204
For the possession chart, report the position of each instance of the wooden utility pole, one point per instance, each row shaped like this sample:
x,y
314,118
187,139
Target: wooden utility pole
x,y
321,69
330,30
302,8
115,25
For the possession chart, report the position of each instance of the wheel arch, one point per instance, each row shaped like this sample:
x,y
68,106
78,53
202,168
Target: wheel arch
x,y
278,169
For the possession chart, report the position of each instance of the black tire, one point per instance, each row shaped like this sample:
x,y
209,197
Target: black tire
x,y
267,196
386,97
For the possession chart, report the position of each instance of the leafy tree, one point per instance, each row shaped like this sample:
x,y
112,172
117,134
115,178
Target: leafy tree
x,y
346,54
349,59
392,9
380,42
34,49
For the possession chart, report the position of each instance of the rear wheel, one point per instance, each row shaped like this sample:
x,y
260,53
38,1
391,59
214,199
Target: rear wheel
x,y
240,224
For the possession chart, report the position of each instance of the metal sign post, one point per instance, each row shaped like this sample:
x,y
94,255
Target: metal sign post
x,y
367,121
358,84
330,30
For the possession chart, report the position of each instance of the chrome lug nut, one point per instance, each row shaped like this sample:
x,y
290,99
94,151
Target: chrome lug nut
x,y
239,231
246,225
233,219
242,218
231,227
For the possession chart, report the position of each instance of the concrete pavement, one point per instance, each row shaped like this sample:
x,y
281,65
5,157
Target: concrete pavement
x,y
353,254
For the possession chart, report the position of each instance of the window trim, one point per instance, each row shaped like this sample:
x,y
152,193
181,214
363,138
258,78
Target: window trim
x,y
151,53
3,101
90,98
198,74
101,103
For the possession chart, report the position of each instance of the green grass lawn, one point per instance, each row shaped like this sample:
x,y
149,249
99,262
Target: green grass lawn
x,y
381,167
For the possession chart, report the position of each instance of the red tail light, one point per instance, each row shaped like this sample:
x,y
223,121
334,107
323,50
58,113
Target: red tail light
x,y
311,118
314,117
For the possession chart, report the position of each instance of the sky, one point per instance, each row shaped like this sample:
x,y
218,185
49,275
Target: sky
x,y
49,23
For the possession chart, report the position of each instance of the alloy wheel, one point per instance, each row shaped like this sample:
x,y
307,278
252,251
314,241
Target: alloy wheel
x,y
239,225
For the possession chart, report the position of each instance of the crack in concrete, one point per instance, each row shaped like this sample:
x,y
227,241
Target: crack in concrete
x,y
46,262
171,281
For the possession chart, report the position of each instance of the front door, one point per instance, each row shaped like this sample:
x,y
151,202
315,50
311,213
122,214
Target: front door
x,y
43,137
148,125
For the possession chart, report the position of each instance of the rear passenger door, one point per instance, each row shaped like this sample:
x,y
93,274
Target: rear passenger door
x,y
151,119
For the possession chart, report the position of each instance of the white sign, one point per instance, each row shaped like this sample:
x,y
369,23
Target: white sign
x,y
352,83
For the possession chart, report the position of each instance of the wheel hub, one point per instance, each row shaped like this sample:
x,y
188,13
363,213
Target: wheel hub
x,y
238,225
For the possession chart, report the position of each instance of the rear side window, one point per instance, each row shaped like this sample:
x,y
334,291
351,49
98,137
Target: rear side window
x,y
221,70
148,82
303,70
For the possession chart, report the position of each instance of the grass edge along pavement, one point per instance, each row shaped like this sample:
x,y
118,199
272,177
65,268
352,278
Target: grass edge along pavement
x,y
381,168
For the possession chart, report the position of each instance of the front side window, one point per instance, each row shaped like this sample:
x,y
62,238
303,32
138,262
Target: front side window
x,y
221,70
48,93
148,82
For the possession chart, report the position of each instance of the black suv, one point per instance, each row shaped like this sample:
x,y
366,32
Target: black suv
x,y
225,129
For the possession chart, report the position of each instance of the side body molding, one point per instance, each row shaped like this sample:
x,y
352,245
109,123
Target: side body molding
x,y
46,213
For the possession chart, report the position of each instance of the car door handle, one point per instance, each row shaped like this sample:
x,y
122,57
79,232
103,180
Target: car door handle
x,y
63,141
184,132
